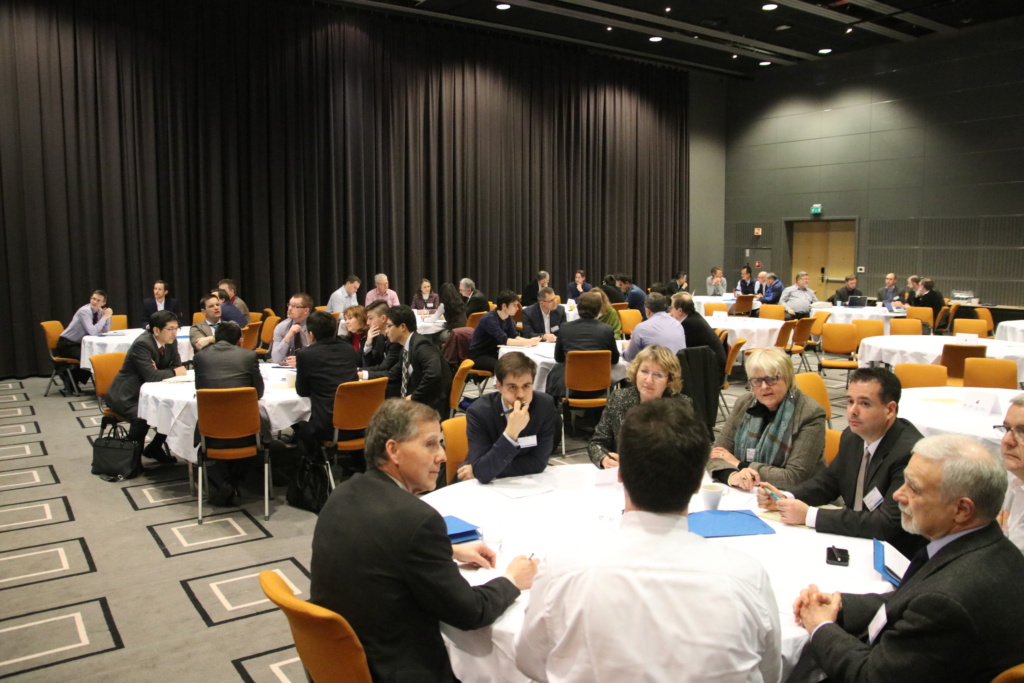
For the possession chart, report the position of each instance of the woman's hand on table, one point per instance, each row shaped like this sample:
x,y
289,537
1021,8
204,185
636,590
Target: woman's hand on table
x,y
745,479
719,453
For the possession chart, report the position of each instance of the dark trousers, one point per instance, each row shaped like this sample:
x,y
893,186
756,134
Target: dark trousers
x,y
72,349
798,315
482,362
139,429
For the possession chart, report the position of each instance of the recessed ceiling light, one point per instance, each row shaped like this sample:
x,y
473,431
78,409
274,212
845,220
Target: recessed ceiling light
x,y
783,27
765,63
504,6
609,28
735,56
769,7
655,39
824,50
849,30
668,9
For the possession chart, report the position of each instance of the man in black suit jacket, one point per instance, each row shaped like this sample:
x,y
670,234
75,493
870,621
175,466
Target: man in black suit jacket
x,y
476,301
319,368
614,294
533,316
848,289
951,619
160,301
586,334
421,374
513,430
529,296
873,399
382,558
379,354
153,357
696,328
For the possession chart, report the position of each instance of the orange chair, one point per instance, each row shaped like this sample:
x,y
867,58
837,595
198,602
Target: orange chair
x,y
905,326
993,373
198,317
953,357
840,339
713,307
459,386
255,317
772,311
105,367
118,322
832,437
868,328
986,315
53,329
620,306
630,318
916,375
474,319
320,308
328,647
969,326
230,414
269,312
730,361
923,313
813,385
1012,675
586,371
267,337
944,321
743,306
798,344
814,343
456,445
251,336
493,305
354,405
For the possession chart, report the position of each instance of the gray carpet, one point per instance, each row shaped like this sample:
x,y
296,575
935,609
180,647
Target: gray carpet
x,y
115,581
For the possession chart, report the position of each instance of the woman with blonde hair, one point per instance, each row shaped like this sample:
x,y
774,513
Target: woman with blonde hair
x,y
608,314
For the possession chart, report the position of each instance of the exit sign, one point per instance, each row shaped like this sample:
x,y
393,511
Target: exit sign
x,y
815,209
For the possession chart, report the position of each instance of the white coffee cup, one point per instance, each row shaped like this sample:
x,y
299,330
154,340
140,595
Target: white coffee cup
x,y
712,494
289,380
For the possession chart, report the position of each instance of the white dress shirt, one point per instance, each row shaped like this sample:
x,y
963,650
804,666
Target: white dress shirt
x,y
650,601
1015,504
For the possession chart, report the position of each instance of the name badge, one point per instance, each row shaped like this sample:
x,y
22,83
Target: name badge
x,y
873,499
751,454
878,622
555,328
430,305
528,441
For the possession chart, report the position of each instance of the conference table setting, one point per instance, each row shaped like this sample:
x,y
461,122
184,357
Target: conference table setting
x,y
543,354
958,410
728,300
170,406
759,332
121,340
847,314
570,504
927,349
1010,330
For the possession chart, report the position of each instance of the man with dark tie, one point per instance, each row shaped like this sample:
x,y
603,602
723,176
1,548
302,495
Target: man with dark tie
x,y
421,374
952,616
290,333
92,318
160,301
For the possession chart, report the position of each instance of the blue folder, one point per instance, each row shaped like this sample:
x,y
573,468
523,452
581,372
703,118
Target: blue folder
x,y
461,531
880,567
723,523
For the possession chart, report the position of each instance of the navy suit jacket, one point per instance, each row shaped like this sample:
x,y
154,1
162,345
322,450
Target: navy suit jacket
x,y
149,308
319,369
492,455
533,320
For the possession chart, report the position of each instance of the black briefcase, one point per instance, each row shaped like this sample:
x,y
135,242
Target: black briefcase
x,y
114,457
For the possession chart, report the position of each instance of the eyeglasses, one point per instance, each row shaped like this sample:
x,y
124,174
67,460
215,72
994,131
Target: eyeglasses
x,y
771,381
658,376
170,329
548,301
1018,431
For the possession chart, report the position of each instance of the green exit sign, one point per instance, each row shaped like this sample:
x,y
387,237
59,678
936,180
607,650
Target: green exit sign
x,y
815,209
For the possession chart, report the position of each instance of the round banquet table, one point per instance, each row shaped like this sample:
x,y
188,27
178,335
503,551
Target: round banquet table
x,y
845,314
170,407
121,340
758,332
728,300
563,505
927,349
940,410
543,354
1010,330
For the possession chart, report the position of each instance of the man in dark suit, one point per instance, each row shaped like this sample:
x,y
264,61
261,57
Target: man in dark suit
x,y
228,310
848,289
476,301
544,318
586,334
319,368
542,279
873,451
379,354
421,374
612,291
513,430
746,283
382,558
160,301
951,619
696,328
153,357
202,334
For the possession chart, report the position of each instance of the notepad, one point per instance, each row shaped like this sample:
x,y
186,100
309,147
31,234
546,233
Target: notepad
x,y
461,531
724,523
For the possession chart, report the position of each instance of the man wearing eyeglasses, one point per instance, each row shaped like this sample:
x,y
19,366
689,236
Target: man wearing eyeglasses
x,y
1011,519
867,472
545,318
290,333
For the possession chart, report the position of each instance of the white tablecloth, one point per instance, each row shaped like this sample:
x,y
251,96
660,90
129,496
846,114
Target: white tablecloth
x,y
121,340
927,349
845,314
1010,330
939,410
758,332
543,354
729,300
170,408
576,509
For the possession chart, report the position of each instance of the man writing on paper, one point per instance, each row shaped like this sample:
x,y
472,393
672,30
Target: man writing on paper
x,y
382,558
953,616
712,609
873,451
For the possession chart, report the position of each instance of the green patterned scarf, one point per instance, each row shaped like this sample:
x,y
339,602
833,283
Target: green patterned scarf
x,y
771,443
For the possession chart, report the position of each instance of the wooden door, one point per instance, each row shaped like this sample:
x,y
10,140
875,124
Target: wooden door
x,y
826,250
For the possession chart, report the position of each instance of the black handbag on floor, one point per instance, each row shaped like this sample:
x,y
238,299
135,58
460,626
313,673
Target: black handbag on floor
x,y
114,457
310,488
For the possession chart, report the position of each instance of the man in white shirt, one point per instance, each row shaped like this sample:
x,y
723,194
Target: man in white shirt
x,y
650,600
345,296
1011,519
798,298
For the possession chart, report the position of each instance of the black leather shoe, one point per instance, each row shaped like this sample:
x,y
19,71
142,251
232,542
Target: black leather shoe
x,y
222,496
159,454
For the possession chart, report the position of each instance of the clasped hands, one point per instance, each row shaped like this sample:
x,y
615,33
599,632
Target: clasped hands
x,y
813,607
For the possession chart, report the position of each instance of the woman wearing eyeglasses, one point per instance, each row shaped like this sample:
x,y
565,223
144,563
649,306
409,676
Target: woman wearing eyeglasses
x,y
653,373
775,433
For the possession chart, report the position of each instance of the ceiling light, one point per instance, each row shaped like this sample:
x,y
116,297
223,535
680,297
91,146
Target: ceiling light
x,y
504,6
655,39
765,63
735,56
668,9
849,30
609,28
769,7
824,50
783,27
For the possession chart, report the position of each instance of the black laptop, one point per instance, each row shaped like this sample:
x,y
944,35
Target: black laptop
x,y
857,301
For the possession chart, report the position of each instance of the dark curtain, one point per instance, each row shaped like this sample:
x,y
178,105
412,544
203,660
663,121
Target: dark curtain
x,y
287,145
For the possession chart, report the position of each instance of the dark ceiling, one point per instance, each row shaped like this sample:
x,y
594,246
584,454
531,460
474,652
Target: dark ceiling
x,y
730,37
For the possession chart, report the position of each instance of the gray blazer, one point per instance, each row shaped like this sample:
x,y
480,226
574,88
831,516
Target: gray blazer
x,y
226,366
197,332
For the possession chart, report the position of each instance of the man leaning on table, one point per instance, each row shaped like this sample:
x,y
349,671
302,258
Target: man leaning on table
x,y
545,318
1011,519
710,611
865,474
497,328
717,284
382,558
513,430
290,333
956,614
202,334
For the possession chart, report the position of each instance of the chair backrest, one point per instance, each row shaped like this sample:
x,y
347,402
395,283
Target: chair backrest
x,y
942,319
52,329
320,308
337,315
1012,675
813,385
255,317
986,315
712,307
906,326
105,367
744,303
228,413
474,319
119,322
915,375
269,324
588,370
771,311
251,336
730,360
458,383
832,437
954,355
723,335
198,317
922,313
327,645
802,331
820,318
993,373
491,305
269,312
839,338
356,402
785,332
868,328
630,318
621,305
970,326
456,445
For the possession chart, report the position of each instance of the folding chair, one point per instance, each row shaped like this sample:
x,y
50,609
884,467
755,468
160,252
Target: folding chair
x,y
813,385
354,405
905,326
53,329
105,367
586,371
840,339
630,318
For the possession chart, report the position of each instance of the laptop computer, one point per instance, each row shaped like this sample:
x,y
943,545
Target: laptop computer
x,y
857,301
